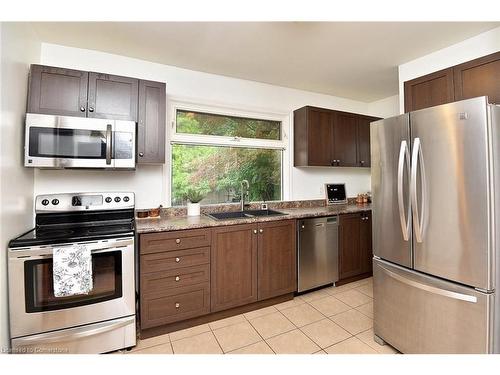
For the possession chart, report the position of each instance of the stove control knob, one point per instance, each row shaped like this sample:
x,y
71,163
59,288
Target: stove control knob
x,y
126,199
55,202
108,199
117,199
45,202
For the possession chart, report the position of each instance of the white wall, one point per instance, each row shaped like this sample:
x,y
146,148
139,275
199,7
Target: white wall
x,y
386,107
18,49
149,182
470,49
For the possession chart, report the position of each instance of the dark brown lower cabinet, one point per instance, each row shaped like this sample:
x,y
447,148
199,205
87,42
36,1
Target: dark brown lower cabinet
x,y
277,259
233,266
355,251
172,305
174,276
365,241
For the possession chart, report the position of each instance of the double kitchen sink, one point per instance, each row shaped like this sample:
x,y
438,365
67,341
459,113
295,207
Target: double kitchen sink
x,y
244,214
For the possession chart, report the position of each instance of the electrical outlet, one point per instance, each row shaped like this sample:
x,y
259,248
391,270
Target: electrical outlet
x,y
322,190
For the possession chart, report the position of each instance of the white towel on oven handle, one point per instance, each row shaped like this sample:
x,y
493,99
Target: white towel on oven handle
x,y
72,270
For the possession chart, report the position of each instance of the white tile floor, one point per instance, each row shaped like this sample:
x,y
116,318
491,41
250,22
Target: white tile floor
x,y
335,320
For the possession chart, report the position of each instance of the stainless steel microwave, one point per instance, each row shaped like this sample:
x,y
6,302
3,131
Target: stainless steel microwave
x,y
73,142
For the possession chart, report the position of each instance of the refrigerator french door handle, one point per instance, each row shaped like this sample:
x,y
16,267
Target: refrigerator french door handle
x,y
416,162
430,288
404,160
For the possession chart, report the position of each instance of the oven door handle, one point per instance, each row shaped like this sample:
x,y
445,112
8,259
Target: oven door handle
x,y
75,333
45,253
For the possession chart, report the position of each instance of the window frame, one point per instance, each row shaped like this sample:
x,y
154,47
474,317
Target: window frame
x,y
226,141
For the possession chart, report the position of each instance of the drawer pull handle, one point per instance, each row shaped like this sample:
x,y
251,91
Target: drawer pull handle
x,y
177,260
261,230
177,278
255,231
177,305
178,240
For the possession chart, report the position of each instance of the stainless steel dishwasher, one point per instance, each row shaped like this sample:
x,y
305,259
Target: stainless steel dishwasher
x,y
317,252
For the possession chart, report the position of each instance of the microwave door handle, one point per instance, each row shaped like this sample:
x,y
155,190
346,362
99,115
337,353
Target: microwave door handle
x,y
109,133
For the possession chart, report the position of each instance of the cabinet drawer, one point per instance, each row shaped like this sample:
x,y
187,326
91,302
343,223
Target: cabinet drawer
x,y
171,260
177,278
175,305
170,241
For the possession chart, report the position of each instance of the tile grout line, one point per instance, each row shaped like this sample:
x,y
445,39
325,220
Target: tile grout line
x,y
215,336
297,327
263,339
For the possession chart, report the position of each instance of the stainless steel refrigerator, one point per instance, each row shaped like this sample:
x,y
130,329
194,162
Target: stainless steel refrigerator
x,y
436,228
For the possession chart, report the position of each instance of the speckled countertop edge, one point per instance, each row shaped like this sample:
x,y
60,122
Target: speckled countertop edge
x,y
174,223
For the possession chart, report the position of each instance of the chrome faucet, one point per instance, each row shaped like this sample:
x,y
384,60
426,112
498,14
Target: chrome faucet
x,y
245,186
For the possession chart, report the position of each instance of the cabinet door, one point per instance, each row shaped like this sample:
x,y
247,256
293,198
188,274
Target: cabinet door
x,y
151,126
365,241
478,77
233,266
430,90
319,137
112,97
344,139
363,147
276,259
57,91
351,262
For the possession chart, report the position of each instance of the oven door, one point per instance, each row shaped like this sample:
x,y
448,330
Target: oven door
x,y
74,142
35,309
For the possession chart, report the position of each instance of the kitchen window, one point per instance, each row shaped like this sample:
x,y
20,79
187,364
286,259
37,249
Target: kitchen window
x,y
214,151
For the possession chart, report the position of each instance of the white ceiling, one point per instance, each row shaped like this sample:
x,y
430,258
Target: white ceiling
x,y
348,59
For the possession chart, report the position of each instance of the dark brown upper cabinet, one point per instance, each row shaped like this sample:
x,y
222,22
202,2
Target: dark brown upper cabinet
x,y
478,77
112,97
57,91
67,92
363,149
324,137
430,90
344,152
313,137
152,122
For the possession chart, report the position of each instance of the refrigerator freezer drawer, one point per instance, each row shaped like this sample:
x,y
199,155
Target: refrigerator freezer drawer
x,y
417,313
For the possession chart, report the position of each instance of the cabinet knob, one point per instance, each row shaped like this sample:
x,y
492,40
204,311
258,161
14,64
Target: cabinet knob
x,y
141,154
178,240
261,230
177,260
177,305
82,109
255,231
177,278
91,109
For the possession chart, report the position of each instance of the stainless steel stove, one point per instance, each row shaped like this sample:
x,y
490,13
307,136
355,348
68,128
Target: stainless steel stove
x,y
100,321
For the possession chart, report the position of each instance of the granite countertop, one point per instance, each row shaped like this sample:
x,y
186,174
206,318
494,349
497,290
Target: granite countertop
x,y
166,223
